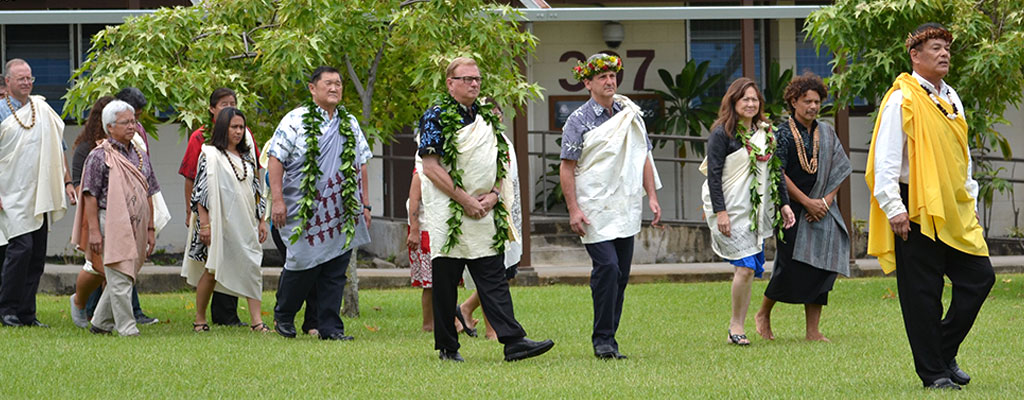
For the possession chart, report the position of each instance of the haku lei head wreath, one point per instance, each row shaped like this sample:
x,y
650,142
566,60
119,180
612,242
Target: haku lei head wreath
x,y
926,32
595,65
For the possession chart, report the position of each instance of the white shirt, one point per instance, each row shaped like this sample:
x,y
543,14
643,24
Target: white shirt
x,y
891,164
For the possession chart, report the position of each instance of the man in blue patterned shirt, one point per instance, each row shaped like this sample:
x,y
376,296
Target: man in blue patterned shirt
x,y
606,168
479,192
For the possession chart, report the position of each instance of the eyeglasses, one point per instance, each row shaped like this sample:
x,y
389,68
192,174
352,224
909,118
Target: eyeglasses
x,y
26,79
469,79
127,122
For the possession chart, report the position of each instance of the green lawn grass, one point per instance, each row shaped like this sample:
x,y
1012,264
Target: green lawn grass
x,y
674,334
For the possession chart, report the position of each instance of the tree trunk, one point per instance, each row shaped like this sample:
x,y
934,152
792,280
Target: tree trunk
x,y
350,299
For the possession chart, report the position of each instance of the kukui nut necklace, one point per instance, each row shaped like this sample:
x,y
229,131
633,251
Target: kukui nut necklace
x,y
935,98
801,152
14,112
245,167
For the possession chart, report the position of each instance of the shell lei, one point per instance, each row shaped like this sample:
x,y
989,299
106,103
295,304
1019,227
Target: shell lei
x,y
311,122
774,175
451,122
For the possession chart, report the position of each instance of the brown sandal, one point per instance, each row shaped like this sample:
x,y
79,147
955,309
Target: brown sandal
x,y
200,327
260,327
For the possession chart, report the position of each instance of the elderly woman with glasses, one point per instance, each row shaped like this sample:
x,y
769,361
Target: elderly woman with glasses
x,y
117,183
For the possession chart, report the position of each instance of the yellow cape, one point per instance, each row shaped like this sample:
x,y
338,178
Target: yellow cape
x,y
937,153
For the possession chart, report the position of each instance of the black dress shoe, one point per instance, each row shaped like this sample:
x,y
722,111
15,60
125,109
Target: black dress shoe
x,y
286,329
944,384
525,348
958,375
98,331
11,320
338,336
36,323
451,355
608,352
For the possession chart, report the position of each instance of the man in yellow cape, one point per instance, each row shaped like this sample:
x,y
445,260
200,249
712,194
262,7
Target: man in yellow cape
x,y
923,216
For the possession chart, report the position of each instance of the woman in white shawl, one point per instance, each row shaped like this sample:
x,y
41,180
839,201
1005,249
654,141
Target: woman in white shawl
x,y
224,251
743,192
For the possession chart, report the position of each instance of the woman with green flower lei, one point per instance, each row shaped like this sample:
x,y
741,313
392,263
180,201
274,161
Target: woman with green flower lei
x,y
745,196
317,160
466,209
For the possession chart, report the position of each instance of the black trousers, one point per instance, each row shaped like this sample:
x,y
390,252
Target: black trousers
x,y
920,266
309,319
612,260
491,284
19,277
329,281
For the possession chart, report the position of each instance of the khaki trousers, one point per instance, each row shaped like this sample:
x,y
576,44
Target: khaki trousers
x,y
114,310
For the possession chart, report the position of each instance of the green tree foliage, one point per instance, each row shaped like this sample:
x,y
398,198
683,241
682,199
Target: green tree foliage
x,y
392,54
987,63
689,111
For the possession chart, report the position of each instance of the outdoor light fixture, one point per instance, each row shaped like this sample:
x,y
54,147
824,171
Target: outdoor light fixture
x,y
613,34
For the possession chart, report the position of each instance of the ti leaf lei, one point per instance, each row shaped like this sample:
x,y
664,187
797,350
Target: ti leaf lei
x,y
451,122
311,122
774,174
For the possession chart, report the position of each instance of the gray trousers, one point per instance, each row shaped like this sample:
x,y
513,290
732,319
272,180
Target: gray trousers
x,y
114,310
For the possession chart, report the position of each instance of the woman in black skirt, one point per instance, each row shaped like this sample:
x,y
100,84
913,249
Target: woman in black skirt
x,y
817,247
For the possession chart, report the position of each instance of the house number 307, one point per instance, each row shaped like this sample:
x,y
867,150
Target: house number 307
x,y
573,56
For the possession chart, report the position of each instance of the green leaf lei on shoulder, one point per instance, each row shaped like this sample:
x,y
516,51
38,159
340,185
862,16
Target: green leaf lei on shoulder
x,y
311,122
451,122
774,173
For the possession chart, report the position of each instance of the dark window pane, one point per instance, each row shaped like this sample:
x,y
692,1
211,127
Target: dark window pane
x,y
47,50
718,41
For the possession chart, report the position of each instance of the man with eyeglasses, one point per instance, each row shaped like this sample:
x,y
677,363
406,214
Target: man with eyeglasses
x,y
321,136
463,161
33,197
606,169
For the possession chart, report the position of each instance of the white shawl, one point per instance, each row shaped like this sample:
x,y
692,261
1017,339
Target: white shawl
x,y
610,175
161,214
736,179
32,161
235,253
478,150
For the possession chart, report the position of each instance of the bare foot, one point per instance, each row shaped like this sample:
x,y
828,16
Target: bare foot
x,y
817,337
491,336
468,316
763,324
458,326
428,328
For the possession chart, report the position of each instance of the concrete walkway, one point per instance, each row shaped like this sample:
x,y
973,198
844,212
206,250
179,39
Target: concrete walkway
x,y
60,279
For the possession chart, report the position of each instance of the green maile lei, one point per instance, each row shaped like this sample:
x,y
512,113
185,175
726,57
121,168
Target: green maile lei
x,y
774,173
311,123
451,122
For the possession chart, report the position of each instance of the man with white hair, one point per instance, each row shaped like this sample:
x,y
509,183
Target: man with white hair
x,y
117,183
32,198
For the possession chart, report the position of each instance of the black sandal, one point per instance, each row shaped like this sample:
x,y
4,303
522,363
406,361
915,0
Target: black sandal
x,y
738,339
260,327
200,327
471,332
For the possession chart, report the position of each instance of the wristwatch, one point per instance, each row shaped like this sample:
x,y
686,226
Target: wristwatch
x,y
367,208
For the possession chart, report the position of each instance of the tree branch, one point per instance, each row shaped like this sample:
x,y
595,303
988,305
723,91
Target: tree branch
x,y
354,77
243,55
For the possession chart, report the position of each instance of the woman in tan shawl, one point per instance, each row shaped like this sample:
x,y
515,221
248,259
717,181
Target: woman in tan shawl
x,y
224,251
